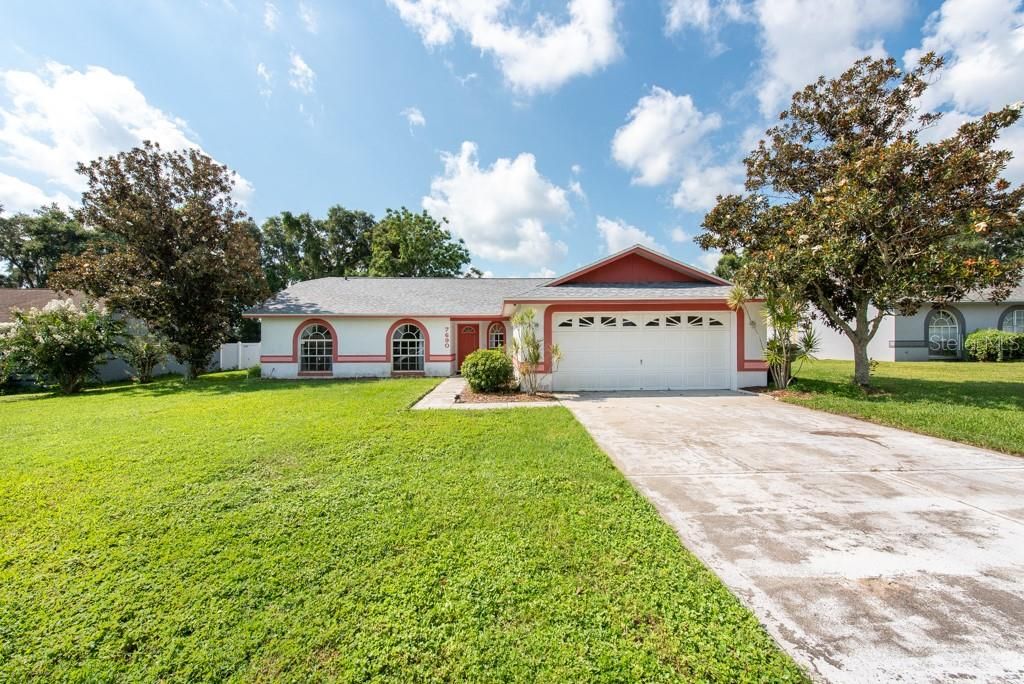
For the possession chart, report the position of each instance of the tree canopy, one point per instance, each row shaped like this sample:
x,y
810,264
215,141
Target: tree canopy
x,y
32,244
172,247
416,245
300,247
848,201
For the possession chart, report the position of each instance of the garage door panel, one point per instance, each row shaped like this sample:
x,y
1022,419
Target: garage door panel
x,y
686,350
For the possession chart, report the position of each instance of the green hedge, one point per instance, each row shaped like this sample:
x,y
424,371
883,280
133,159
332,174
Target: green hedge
x,y
488,370
994,345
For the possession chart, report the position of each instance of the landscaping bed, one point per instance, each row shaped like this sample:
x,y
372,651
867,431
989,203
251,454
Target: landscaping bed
x,y
468,396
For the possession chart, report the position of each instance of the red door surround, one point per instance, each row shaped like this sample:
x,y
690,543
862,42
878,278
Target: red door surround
x,y
469,340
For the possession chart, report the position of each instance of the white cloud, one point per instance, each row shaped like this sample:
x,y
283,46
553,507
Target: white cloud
x,y
701,185
308,17
983,43
708,260
59,117
576,169
804,39
544,273
502,211
678,235
271,16
576,188
663,132
266,89
665,140
619,235
301,76
414,117
537,58
17,195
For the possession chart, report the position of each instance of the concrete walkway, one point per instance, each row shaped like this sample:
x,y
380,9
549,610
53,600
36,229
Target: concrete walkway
x,y
443,397
871,554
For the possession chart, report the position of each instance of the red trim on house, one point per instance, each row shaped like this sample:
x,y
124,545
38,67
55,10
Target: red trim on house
x,y
460,317
294,358
660,259
362,358
427,356
473,319
742,362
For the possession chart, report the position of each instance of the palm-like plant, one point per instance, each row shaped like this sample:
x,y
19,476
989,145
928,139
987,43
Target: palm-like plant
x,y
791,339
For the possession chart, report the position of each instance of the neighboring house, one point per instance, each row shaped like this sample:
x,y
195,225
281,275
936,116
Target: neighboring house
x,y
113,369
635,320
935,332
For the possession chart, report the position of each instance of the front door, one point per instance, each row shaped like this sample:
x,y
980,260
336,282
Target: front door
x,y
469,341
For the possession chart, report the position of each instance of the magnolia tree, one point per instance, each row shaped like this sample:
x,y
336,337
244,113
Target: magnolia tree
x,y
60,344
849,203
171,248
527,350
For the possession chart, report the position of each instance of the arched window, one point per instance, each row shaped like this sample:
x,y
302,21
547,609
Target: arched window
x,y
407,348
1012,320
496,336
943,335
315,349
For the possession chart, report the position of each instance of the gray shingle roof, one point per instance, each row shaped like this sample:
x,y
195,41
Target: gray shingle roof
x,y
397,296
1016,296
455,296
599,291
31,298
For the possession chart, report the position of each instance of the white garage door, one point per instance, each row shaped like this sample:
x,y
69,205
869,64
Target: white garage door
x,y
648,351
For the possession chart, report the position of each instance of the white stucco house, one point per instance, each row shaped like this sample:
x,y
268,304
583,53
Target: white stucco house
x,y
934,332
635,320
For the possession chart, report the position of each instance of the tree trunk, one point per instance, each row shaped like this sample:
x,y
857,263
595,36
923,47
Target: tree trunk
x,y
861,363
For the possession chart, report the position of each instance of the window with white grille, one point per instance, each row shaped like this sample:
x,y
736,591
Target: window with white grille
x,y
407,348
315,349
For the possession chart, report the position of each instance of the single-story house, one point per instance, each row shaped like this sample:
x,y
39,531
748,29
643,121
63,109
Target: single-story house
x,y
635,320
935,332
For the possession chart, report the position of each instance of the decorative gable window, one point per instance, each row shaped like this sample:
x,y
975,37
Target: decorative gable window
x,y
586,321
695,321
653,322
567,323
608,321
715,322
628,322
673,321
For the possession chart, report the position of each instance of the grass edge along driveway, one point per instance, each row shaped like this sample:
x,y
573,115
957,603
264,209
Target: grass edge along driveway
x,y
289,531
975,403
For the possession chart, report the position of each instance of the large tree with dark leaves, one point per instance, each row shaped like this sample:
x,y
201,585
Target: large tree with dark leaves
x,y
32,244
300,247
416,245
173,248
850,205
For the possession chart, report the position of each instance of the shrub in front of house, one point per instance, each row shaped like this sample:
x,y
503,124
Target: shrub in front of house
x,y
143,352
994,345
254,372
60,344
488,370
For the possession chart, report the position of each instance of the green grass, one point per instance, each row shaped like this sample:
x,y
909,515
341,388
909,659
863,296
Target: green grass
x,y
256,531
974,403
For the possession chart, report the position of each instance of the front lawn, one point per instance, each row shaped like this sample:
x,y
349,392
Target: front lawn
x,y
975,403
254,530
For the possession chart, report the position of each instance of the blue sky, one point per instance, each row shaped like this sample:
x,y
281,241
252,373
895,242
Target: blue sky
x,y
549,133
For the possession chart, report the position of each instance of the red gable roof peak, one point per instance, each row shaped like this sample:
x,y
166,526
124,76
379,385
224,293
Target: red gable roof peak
x,y
638,264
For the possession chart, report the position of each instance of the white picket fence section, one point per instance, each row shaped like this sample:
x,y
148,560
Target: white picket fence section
x,y
239,355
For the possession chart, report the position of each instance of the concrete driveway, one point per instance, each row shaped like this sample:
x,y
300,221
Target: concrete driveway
x,y
869,553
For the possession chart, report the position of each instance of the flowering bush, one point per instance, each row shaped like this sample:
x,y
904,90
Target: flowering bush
x,y
59,344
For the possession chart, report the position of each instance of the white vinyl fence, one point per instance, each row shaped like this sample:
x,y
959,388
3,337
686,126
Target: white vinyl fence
x,y
239,355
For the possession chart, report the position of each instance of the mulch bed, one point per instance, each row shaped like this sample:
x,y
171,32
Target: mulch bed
x,y
468,396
